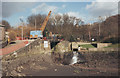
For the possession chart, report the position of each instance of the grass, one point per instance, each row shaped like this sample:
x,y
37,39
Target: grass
x,y
76,71
113,46
87,46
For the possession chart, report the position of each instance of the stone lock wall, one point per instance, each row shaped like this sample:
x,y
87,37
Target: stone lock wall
x,y
75,44
62,47
101,45
37,45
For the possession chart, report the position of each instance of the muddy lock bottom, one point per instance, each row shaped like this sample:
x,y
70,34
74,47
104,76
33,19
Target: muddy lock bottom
x,y
68,58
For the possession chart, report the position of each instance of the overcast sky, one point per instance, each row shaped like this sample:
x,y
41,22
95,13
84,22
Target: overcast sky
x,y
87,10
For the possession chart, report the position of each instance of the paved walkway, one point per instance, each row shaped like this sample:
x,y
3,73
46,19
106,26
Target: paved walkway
x,y
12,48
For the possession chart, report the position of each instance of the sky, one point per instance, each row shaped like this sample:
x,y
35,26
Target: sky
x,y
86,10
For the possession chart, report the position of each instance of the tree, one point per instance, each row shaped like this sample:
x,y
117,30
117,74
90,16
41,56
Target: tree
x,y
78,20
39,20
58,19
12,35
66,19
7,25
72,39
65,25
72,20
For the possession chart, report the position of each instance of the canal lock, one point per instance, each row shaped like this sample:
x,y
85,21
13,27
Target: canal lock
x,y
68,58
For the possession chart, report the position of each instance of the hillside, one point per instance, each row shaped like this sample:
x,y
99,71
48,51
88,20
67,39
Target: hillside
x,y
109,28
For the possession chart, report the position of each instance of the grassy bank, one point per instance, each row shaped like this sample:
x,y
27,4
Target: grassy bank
x,y
87,46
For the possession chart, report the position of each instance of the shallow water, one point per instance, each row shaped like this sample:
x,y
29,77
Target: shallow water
x,y
68,58
74,59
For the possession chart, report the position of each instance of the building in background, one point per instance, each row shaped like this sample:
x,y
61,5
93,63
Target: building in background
x,y
2,32
3,39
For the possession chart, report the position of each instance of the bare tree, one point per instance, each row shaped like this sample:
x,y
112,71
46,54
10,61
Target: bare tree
x,y
58,19
39,20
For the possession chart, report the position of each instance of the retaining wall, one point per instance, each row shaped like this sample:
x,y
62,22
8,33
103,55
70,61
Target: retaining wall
x,y
101,45
103,49
75,44
37,45
63,46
